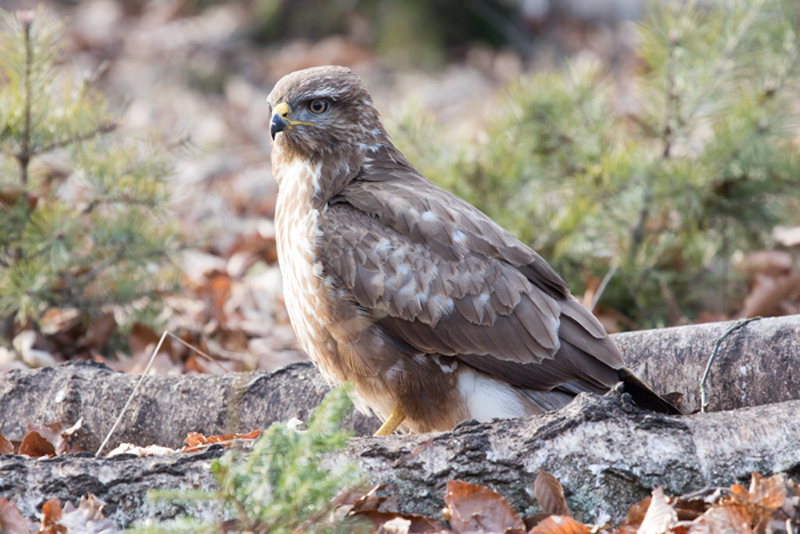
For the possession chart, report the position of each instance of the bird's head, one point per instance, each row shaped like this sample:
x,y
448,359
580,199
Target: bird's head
x,y
320,111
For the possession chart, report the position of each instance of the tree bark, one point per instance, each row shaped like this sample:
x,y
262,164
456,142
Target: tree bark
x,y
605,452
165,408
756,364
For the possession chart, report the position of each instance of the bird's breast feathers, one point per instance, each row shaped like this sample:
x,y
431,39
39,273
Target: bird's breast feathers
x,y
298,236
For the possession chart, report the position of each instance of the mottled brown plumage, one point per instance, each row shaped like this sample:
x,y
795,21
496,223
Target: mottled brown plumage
x,y
409,292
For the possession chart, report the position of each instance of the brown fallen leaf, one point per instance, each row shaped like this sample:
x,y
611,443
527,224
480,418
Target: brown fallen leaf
x,y
11,519
761,502
414,523
143,339
550,495
64,444
6,447
34,445
398,525
196,441
477,509
767,262
767,492
660,516
635,516
51,515
722,519
99,332
560,524
372,501
691,509
767,294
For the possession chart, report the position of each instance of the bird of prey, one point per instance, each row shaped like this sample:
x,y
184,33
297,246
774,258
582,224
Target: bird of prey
x,y
433,312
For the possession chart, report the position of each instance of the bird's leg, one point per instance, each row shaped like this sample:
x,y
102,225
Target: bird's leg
x,y
392,424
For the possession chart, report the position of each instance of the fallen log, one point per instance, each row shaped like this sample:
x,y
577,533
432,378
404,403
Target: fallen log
x,y
165,408
606,453
756,364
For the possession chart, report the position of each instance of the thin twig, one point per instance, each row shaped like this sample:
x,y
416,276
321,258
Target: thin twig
x,y
717,343
602,287
133,393
198,351
144,373
102,129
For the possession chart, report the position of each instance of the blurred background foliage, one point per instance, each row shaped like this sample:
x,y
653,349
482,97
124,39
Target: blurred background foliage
x,y
646,148
658,197
82,205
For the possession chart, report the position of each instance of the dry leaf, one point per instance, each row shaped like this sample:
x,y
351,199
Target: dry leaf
x,y
64,444
87,518
767,294
51,515
398,525
768,492
477,509
51,431
691,509
11,519
6,447
635,516
723,519
371,501
738,489
99,332
142,337
660,516
417,524
550,494
34,445
559,524
768,262
196,441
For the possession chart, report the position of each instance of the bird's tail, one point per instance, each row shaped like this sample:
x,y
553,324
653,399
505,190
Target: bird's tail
x,y
644,397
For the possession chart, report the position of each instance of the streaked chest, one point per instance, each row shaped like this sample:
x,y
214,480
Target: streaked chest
x,y
299,237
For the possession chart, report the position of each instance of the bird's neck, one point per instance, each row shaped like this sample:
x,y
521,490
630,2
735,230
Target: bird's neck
x,y
313,182
314,179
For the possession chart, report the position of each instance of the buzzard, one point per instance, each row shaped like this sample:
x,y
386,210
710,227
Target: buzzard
x,y
433,312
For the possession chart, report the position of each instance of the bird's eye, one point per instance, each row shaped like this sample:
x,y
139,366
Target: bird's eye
x,y
318,106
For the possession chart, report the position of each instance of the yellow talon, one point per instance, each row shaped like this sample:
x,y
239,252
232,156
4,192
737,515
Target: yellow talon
x,y
393,423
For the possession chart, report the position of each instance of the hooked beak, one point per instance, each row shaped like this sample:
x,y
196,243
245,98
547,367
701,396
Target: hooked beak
x,y
281,120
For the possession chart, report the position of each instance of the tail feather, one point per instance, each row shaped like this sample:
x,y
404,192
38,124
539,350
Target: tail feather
x,y
643,396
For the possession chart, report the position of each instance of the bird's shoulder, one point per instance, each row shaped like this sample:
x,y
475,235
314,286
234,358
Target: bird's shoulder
x,y
393,192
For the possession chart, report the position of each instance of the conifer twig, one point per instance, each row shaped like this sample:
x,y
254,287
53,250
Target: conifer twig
x,y
23,156
730,48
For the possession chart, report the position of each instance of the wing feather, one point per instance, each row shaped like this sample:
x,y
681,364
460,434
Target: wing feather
x,y
441,277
